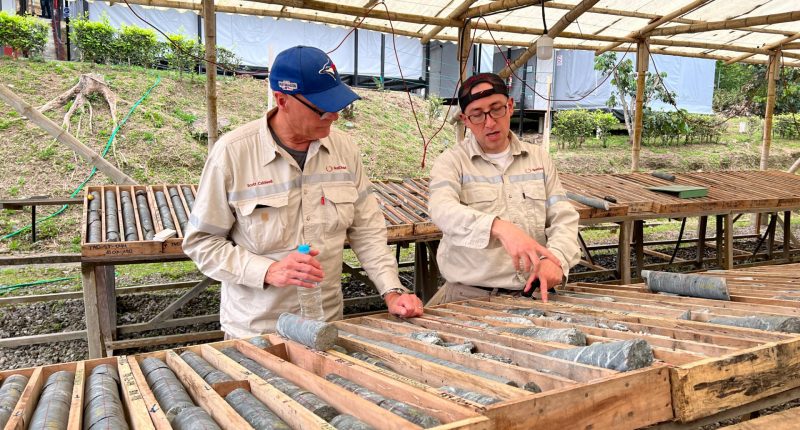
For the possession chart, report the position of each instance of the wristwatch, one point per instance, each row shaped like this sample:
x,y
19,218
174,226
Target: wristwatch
x,y
393,290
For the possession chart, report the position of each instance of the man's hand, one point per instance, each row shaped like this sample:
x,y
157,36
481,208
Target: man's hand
x,y
549,273
295,269
404,305
525,252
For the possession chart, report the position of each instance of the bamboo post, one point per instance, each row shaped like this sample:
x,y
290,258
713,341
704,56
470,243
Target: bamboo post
x,y
63,136
642,61
464,46
795,166
210,30
772,77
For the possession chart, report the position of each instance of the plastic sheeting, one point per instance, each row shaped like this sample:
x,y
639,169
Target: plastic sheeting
x,y
444,71
692,79
257,40
9,6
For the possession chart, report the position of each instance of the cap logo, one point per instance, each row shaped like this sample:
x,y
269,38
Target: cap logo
x,y
328,69
287,85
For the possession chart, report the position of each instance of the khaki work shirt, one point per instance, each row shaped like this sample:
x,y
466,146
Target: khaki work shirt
x,y
468,192
254,206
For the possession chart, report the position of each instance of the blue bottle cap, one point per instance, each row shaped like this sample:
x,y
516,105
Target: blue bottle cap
x,y
304,248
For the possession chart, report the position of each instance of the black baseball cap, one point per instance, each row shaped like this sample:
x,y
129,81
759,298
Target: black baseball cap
x,y
465,96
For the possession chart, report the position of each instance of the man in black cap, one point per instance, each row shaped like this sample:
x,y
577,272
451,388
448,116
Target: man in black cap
x,y
284,180
505,219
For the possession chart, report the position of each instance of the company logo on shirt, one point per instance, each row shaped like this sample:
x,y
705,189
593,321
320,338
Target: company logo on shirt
x,y
260,182
330,168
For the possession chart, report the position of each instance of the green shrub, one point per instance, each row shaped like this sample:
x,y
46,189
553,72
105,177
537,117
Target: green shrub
x,y
670,128
787,125
182,53
227,61
95,39
604,122
25,33
136,46
434,104
573,126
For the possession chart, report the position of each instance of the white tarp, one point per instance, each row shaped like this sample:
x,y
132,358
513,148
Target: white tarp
x,y
170,21
9,6
692,79
257,40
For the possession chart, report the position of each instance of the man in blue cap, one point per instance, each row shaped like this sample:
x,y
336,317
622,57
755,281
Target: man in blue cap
x,y
283,180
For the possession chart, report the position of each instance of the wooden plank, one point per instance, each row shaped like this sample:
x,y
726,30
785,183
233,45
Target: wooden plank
x,y
26,260
643,328
611,403
17,204
431,374
205,396
76,406
336,396
514,373
568,369
91,303
23,412
166,339
132,399
785,420
157,416
713,385
434,405
282,405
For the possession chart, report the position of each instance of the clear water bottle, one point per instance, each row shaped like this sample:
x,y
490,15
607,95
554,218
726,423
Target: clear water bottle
x,y
310,298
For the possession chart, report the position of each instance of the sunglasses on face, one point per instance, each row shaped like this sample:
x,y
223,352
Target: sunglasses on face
x,y
322,114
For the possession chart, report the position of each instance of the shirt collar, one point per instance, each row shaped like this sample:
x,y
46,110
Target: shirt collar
x,y
474,149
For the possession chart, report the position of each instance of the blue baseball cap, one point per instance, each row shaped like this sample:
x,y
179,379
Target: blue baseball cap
x,y
310,72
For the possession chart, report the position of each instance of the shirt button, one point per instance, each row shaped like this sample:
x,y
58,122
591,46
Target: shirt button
x,y
305,191
308,218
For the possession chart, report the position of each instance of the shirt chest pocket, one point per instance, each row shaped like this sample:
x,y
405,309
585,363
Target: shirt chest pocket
x,y
263,221
340,202
483,199
535,203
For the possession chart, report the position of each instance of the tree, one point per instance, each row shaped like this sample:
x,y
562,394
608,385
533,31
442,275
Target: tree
x,y
623,79
742,89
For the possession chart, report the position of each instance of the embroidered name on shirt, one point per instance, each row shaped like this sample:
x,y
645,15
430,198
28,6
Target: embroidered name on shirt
x,y
529,170
332,168
261,182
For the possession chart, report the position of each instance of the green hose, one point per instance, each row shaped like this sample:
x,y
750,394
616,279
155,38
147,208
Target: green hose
x,y
8,288
94,169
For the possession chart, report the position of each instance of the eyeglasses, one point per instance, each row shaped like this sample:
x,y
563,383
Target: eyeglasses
x,y
322,114
496,113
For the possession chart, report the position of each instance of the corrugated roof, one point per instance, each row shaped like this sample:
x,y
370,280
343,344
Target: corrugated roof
x,y
519,22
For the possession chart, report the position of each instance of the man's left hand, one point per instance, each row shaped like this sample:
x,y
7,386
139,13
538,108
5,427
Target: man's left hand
x,y
404,305
549,274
